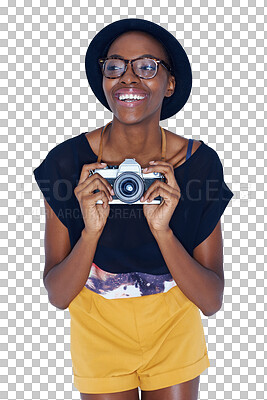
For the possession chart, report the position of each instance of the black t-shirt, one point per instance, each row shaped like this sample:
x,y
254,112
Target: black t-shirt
x,y
127,244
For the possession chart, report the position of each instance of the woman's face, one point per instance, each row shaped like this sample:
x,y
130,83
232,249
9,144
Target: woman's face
x,y
131,45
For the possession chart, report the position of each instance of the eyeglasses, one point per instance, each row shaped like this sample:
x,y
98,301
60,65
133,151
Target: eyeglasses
x,y
143,67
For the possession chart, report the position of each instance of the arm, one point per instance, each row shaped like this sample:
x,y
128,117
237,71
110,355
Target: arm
x,y
66,270
200,277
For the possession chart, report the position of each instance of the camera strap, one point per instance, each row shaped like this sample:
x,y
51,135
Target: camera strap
x,y
163,143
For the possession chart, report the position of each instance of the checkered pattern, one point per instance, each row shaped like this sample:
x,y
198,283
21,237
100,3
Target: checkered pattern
x,y
45,99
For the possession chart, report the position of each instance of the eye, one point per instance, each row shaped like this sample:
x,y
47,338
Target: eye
x,y
148,67
112,67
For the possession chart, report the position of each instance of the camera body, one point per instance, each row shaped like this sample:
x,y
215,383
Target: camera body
x,y
128,182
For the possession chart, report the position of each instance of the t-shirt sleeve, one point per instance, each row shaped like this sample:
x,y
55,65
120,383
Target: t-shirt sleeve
x,y
216,195
55,188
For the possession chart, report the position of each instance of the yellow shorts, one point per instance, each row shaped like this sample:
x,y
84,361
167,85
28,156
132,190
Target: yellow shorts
x,y
152,341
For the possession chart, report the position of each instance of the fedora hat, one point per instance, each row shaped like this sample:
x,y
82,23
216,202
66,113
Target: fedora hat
x,y
180,64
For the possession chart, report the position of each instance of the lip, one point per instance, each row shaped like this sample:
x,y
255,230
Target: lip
x,y
130,91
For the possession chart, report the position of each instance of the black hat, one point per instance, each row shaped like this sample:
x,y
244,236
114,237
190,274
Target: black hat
x,y
181,68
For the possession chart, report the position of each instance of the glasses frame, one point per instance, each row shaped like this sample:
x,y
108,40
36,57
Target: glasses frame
x,y
102,61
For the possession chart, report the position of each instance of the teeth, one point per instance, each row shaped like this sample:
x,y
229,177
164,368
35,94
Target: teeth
x,y
130,97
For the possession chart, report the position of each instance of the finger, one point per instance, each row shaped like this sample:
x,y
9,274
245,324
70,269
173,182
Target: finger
x,y
88,187
160,162
164,168
90,179
86,170
159,191
101,196
92,199
165,186
97,176
168,196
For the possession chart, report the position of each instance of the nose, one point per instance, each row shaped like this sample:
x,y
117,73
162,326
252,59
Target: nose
x,y
129,75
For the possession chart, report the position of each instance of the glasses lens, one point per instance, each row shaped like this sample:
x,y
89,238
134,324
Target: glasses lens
x,y
113,67
145,68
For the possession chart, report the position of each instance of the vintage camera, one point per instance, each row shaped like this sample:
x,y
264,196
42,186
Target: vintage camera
x,y
128,182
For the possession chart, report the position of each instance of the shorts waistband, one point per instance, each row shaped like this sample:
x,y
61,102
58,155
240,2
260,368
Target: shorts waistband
x,y
125,285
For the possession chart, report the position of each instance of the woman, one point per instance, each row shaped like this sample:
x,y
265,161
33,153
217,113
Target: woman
x,y
135,275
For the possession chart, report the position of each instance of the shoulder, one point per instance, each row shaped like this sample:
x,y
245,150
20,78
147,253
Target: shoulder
x,y
61,161
206,166
63,156
61,148
204,162
177,148
210,156
93,138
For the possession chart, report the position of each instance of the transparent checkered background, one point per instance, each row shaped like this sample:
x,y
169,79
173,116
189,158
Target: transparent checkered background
x,y
45,99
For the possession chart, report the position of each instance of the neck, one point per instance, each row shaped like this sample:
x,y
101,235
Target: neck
x,y
140,141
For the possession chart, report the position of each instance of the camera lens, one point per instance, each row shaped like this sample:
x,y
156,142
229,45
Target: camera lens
x,y
129,187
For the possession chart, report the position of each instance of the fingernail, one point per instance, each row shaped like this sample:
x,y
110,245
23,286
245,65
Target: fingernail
x,y
146,169
104,163
112,192
150,162
142,198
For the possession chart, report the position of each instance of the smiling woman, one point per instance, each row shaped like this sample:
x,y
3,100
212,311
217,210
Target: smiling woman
x,y
145,76
135,274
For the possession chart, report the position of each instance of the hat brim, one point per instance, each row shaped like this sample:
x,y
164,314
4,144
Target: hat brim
x,y
180,63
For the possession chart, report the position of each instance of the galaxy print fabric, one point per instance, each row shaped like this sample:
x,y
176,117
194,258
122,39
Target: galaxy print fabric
x,y
132,284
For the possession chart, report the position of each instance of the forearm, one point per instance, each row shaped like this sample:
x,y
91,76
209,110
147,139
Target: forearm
x,y
66,279
201,285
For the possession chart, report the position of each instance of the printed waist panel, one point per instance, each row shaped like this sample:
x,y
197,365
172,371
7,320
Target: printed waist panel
x,y
132,284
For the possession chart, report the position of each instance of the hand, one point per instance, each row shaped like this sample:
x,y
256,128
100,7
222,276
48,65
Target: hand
x,y
158,215
94,215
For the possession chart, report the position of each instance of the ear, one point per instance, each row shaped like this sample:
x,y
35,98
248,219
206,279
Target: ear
x,y
171,86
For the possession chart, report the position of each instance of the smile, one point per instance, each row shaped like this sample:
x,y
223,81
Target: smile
x,y
130,100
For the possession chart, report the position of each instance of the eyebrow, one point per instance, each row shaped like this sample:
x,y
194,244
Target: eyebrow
x,y
143,55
